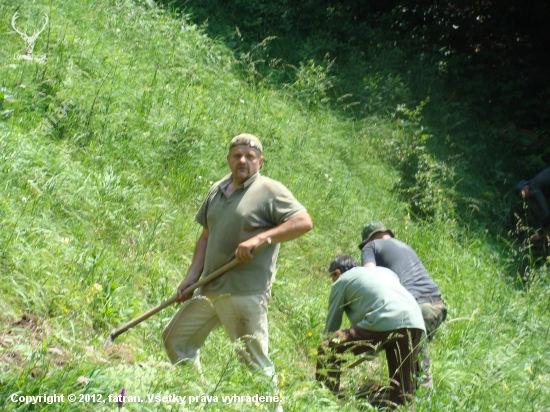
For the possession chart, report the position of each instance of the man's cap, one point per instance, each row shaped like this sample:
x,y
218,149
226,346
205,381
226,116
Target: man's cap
x,y
371,229
246,139
519,185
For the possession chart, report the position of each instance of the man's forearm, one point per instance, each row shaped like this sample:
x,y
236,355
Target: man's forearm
x,y
199,256
289,230
197,265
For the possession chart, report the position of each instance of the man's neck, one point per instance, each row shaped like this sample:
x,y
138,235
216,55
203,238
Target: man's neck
x,y
235,184
231,187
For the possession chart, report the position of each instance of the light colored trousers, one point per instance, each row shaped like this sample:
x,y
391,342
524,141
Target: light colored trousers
x,y
244,317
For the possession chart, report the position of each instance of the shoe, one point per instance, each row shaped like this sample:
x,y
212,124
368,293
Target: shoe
x,y
426,380
428,384
374,393
367,390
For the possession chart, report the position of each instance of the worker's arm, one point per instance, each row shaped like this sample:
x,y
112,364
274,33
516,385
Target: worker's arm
x,y
368,256
197,265
543,209
293,228
336,304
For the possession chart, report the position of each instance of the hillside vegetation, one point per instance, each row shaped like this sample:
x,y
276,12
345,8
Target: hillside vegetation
x,y
114,123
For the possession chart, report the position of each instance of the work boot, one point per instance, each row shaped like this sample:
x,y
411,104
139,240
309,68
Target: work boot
x,y
374,393
426,380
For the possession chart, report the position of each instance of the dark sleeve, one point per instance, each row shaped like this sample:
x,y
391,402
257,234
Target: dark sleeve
x,y
543,212
367,254
539,188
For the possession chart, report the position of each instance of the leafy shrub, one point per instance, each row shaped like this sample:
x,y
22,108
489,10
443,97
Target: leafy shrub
x,y
426,183
312,83
384,91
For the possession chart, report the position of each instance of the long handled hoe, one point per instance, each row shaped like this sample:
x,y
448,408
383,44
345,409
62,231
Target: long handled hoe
x,y
118,331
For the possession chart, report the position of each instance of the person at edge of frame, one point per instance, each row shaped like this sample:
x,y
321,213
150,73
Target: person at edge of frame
x,y
380,248
538,189
383,314
240,211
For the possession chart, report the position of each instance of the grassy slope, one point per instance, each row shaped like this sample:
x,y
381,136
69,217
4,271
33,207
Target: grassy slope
x,y
97,221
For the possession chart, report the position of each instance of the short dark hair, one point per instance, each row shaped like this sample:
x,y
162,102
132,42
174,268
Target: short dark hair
x,y
343,263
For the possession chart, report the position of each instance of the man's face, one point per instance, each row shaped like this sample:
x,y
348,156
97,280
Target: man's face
x,y
244,162
378,235
334,275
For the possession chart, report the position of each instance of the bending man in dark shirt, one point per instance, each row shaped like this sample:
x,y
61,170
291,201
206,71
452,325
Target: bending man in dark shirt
x,y
379,248
538,188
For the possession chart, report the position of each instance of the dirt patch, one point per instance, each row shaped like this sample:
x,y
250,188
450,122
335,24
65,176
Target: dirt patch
x,y
11,358
36,372
119,353
57,357
153,364
31,322
28,331
5,339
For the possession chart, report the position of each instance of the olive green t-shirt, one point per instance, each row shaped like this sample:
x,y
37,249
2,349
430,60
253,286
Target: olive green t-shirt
x,y
262,203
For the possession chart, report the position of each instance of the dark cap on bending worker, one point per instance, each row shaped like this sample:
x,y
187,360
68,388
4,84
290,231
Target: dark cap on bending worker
x,y
371,229
246,139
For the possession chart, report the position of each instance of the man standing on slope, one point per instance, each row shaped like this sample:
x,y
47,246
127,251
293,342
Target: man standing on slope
x,y
538,188
383,315
239,212
380,248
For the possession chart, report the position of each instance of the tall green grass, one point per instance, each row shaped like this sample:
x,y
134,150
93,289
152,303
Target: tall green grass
x,y
106,152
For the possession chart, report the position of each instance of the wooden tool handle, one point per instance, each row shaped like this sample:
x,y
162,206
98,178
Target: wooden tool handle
x,y
118,331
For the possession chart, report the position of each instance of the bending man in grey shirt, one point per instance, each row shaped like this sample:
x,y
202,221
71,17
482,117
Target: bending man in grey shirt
x,y
380,248
383,315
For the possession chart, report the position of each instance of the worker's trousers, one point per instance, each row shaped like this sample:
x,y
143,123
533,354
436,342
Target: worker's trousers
x,y
401,346
243,317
